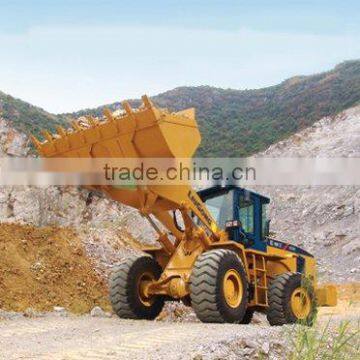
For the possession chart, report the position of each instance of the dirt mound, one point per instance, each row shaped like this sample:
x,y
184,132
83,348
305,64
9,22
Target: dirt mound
x,y
46,267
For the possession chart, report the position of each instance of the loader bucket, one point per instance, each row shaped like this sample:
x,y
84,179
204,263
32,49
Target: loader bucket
x,y
146,132
326,295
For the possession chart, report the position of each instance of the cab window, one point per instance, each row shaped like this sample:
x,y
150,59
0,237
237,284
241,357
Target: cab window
x,y
264,219
221,208
246,214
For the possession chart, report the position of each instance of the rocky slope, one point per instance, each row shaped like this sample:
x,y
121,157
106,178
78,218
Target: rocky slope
x,y
12,142
323,219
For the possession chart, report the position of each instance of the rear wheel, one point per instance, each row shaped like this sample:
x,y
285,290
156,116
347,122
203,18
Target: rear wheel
x,y
128,285
291,300
219,287
249,314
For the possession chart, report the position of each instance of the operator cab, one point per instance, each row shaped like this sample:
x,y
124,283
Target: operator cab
x,y
242,213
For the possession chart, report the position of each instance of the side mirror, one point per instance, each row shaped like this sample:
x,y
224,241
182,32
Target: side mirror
x,y
267,228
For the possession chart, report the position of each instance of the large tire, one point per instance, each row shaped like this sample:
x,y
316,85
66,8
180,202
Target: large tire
x,y
209,299
126,283
291,300
249,314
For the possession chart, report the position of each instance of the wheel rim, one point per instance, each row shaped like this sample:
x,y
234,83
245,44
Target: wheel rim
x,y
300,303
233,289
143,282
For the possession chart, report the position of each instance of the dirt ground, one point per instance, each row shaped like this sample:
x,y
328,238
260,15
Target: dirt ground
x,y
85,337
70,337
45,267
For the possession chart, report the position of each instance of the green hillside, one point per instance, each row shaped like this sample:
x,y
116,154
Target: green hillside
x,y
232,122
243,122
26,117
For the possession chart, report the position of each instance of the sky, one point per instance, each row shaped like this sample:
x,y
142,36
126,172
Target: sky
x,y
69,55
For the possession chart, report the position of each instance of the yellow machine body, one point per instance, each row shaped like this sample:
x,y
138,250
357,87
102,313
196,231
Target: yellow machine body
x,y
150,132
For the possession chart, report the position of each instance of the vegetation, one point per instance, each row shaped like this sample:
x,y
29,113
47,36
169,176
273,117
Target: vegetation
x,y
26,117
340,343
233,122
240,123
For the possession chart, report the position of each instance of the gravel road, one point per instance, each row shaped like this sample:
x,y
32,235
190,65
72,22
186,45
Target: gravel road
x,y
54,337
86,337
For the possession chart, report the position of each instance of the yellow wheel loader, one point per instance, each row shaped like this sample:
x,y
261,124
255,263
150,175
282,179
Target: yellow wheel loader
x,y
221,261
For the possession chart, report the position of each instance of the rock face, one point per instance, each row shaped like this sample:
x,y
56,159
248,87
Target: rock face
x,y
337,136
323,219
12,143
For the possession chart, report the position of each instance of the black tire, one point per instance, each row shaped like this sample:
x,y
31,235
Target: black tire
x,y
280,292
249,313
207,290
125,295
186,300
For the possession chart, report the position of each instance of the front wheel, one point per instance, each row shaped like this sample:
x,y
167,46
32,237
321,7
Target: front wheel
x,y
219,287
128,284
291,300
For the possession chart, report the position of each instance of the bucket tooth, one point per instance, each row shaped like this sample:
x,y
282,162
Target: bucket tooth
x,y
147,102
75,126
189,113
36,142
47,135
108,115
61,131
91,120
127,107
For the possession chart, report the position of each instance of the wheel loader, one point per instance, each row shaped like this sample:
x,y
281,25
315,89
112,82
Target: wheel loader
x,y
221,261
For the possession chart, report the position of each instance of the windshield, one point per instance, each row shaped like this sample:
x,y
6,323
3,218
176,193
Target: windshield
x,y
246,214
221,208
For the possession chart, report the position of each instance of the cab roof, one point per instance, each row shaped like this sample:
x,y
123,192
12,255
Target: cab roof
x,y
218,190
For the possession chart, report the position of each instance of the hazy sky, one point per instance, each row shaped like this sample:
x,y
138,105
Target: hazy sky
x,y
68,55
